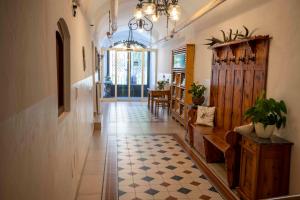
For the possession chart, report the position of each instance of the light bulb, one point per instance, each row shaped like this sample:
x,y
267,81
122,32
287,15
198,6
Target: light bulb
x,y
149,8
138,13
155,17
174,18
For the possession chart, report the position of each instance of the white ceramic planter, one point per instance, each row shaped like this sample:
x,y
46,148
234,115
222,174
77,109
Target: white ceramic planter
x,y
264,132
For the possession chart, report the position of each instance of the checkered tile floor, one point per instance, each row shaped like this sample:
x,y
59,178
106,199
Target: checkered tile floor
x,y
156,167
135,113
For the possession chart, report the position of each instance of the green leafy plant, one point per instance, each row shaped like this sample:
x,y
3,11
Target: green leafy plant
x,y
247,33
268,112
213,41
161,84
107,78
231,36
197,90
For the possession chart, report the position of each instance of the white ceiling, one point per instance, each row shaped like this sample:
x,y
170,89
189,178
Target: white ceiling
x,y
97,13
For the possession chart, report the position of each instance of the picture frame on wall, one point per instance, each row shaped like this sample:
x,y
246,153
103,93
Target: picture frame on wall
x,y
83,58
179,60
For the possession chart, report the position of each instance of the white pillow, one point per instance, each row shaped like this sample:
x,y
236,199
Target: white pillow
x,y
205,115
245,129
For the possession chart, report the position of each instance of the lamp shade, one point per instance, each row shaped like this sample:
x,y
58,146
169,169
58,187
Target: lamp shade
x,y
155,17
174,12
138,13
149,8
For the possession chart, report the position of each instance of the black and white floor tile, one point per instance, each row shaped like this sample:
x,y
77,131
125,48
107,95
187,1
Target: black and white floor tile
x,y
157,168
135,113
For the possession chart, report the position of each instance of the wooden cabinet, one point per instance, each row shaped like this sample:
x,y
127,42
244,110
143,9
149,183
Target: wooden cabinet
x,y
264,167
182,78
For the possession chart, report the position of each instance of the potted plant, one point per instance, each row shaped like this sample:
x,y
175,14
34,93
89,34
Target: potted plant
x,y
267,114
161,84
197,92
108,86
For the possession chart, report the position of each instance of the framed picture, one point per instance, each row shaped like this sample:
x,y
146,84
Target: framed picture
x,y
179,61
83,57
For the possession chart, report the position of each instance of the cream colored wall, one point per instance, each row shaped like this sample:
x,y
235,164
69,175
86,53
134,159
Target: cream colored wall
x,y
281,20
41,155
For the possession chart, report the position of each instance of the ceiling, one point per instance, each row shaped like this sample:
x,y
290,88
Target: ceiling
x,y
96,12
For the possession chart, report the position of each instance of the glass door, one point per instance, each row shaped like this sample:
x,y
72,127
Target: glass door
x,y
128,74
122,72
136,73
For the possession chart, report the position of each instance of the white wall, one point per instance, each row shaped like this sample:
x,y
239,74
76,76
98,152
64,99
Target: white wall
x,y
281,20
41,155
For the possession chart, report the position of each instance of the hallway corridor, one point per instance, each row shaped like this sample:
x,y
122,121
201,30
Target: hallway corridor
x,y
151,163
75,76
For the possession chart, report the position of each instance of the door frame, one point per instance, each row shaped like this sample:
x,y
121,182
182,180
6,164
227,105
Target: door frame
x,y
129,98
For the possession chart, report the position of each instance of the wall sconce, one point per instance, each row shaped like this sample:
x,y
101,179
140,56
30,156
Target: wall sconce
x,y
74,7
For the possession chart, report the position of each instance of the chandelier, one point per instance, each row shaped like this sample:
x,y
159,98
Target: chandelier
x,y
156,8
130,44
140,24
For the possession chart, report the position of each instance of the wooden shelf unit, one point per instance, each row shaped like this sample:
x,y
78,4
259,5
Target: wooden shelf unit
x,y
182,78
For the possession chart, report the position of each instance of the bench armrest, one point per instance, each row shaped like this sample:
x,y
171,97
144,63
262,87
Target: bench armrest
x,y
192,115
232,138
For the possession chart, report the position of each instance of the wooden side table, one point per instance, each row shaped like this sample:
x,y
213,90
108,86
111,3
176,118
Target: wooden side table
x,y
264,167
155,93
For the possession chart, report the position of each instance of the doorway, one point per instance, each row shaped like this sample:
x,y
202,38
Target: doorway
x,y
127,74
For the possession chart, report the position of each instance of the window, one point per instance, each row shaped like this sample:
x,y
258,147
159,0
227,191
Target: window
x,y
60,72
63,67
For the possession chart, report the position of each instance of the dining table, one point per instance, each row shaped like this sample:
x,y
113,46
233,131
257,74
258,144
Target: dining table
x,y
154,93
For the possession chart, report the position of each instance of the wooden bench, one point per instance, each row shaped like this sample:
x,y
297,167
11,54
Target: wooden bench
x,y
238,77
216,145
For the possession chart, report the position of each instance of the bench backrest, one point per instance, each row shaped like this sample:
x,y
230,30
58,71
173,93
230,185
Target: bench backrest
x,y
238,77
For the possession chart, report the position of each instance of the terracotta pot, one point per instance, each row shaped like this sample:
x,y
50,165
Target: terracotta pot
x,y
198,100
264,132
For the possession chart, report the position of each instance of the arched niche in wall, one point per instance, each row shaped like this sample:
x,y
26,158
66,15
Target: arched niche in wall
x,y
63,67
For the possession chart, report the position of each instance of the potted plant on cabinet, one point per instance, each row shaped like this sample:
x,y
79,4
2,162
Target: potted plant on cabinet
x,y
267,114
197,92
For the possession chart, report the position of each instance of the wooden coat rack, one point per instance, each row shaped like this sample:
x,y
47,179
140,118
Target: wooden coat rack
x,y
239,75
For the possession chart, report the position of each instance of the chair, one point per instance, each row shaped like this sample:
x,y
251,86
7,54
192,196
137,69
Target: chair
x,y
163,101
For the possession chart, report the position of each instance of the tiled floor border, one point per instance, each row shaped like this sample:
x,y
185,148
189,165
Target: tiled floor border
x,y
110,185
